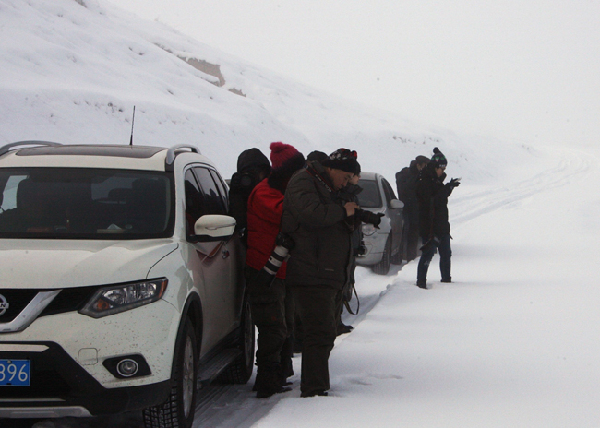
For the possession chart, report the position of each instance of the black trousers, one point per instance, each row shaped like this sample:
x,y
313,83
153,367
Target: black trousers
x,y
268,314
316,306
428,253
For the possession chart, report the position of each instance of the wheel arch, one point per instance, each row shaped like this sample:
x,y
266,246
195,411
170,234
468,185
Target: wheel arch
x,y
193,311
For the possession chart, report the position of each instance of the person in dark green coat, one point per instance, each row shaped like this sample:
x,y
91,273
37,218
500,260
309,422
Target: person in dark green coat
x,y
320,260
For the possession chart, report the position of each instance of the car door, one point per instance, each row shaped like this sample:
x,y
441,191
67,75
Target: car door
x,y
223,284
212,269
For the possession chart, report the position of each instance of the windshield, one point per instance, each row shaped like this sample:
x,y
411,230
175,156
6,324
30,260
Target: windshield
x,y
86,203
370,196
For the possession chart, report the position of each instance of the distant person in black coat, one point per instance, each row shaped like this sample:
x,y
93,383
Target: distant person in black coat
x,y
406,182
434,225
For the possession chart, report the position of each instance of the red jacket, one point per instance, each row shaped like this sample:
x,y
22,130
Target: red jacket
x,y
265,206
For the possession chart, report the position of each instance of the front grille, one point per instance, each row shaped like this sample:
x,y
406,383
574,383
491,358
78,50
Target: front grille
x,y
17,301
69,300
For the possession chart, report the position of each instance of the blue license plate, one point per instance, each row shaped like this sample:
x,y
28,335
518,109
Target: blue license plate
x,y
15,372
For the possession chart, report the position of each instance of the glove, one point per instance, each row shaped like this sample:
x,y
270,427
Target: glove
x,y
262,279
377,222
455,182
361,250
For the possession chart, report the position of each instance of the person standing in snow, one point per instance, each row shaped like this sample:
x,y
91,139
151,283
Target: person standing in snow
x,y
434,225
271,303
406,182
350,194
320,261
252,167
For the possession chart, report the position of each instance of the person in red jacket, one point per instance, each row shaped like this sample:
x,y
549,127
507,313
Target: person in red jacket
x,y
271,302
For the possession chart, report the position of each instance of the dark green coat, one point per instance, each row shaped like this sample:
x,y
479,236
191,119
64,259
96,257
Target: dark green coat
x,y
322,252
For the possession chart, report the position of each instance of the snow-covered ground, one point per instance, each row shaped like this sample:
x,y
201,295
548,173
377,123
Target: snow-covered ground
x,y
512,342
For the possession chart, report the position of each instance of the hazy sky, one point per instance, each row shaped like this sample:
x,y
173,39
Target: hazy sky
x,y
525,69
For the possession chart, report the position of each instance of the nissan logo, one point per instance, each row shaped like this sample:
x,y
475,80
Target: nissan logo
x,y
3,305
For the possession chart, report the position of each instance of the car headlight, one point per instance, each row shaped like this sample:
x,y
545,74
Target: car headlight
x,y
368,229
120,298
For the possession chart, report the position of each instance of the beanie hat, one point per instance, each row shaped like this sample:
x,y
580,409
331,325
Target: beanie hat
x,y
316,156
342,159
284,156
438,159
357,170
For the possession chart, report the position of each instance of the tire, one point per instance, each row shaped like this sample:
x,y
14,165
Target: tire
x,y
383,267
239,371
396,259
178,411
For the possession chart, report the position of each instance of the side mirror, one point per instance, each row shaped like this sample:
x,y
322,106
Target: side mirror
x,y
214,227
396,204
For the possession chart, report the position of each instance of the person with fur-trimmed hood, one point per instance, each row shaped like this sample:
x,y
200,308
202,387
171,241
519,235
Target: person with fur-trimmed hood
x,y
320,261
271,303
434,225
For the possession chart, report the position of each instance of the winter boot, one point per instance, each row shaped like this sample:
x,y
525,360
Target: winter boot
x,y
422,284
287,366
260,375
271,381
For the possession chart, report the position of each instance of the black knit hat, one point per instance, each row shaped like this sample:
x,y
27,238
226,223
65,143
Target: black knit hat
x,y
438,159
342,159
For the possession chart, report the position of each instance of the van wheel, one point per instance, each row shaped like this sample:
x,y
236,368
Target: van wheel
x,y
396,259
178,410
240,370
383,267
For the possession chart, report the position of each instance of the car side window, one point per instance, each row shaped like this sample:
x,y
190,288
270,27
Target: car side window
x,y
222,188
193,201
213,202
387,189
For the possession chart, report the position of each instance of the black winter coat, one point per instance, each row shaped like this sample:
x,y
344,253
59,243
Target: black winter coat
x,y
406,183
432,195
316,222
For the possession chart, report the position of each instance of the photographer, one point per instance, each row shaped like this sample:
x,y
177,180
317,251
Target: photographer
x,y
321,258
350,194
271,298
434,225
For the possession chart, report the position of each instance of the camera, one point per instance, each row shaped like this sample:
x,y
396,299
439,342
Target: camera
x,y
368,217
283,244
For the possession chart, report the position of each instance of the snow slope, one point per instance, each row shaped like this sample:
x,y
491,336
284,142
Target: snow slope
x,y
512,342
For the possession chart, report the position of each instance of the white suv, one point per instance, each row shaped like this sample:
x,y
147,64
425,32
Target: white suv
x,y
121,282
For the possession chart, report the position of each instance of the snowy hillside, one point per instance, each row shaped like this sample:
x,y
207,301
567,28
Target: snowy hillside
x,y
73,70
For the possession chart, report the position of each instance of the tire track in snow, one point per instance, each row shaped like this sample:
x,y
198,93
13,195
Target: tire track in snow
x,y
572,164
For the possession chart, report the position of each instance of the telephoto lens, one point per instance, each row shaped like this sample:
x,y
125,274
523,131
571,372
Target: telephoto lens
x,y
283,245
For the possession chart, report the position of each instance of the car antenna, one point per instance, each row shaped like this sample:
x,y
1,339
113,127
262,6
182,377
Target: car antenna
x,y
132,122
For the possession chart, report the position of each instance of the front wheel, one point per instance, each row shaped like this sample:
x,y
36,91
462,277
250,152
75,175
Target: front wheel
x,y
383,267
178,411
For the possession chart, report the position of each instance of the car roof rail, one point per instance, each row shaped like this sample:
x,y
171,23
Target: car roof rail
x,y
174,151
8,147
